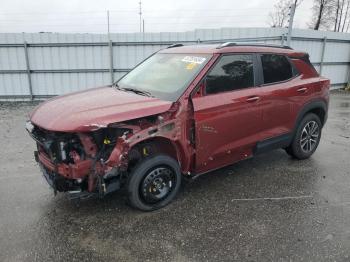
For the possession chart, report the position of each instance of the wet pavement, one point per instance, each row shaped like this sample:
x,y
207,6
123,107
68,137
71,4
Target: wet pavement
x,y
269,208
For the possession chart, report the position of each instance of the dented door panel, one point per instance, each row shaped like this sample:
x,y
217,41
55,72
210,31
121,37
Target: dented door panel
x,y
226,127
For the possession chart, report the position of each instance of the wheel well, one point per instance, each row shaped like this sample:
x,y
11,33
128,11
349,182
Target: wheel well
x,y
156,145
319,112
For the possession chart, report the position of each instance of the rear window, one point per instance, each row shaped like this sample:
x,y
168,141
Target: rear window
x,y
276,68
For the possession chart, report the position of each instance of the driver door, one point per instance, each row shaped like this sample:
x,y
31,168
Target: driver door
x,y
227,115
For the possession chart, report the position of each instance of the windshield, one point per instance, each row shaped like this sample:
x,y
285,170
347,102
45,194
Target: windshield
x,y
164,76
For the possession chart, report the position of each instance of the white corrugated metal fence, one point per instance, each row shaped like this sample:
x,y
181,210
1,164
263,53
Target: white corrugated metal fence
x,y
40,65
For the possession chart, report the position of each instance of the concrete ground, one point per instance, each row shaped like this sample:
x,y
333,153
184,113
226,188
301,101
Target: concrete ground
x,y
269,208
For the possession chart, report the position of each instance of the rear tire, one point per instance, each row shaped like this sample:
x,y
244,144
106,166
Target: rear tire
x,y
306,138
154,182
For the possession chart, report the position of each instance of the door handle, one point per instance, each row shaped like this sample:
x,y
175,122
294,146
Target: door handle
x,y
302,90
252,99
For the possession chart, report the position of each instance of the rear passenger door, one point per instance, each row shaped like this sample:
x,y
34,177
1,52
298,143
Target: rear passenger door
x,y
227,114
277,93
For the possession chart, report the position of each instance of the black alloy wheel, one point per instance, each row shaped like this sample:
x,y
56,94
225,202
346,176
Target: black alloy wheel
x,y
306,138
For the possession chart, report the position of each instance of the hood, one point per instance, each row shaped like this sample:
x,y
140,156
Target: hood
x,y
94,108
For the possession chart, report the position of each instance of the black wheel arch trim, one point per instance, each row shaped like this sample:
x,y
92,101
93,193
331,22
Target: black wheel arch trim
x,y
315,104
284,140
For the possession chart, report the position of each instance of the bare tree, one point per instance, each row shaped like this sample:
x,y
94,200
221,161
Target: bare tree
x,y
341,13
346,19
329,14
337,7
322,14
279,17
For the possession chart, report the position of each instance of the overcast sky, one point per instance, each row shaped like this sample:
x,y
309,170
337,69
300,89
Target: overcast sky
x,y
159,15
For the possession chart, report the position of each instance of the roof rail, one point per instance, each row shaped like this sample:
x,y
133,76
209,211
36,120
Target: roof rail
x,y
174,45
227,44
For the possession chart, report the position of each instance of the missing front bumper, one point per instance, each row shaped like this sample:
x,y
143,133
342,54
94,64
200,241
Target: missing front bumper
x,y
77,188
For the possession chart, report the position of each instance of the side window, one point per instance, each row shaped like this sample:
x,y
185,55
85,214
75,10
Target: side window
x,y
232,72
276,68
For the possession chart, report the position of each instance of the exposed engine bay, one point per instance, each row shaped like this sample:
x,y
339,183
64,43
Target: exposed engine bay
x,y
97,162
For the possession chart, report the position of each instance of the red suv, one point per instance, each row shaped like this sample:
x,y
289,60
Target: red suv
x,y
184,111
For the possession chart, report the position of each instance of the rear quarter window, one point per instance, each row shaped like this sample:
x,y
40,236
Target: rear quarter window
x,y
276,68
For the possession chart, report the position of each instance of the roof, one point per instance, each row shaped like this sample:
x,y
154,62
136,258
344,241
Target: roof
x,y
240,48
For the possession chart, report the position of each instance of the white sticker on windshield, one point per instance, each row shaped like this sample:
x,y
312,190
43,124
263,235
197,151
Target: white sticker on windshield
x,y
194,59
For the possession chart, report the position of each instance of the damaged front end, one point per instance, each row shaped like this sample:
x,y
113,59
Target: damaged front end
x,y
78,162
97,162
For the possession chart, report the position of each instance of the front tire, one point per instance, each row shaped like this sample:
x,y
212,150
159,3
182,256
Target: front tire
x,y
154,182
306,138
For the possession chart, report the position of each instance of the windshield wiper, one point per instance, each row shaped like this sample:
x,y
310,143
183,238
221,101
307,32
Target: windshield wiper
x,y
115,85
136,91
